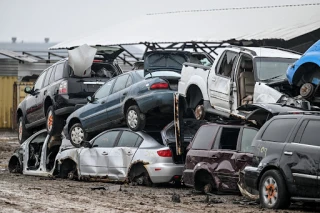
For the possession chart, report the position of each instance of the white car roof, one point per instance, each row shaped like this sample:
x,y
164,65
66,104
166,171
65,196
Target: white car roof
x,y
270,52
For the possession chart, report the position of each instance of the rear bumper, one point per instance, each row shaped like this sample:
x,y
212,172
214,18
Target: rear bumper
x,y
164,172
161,99
65,105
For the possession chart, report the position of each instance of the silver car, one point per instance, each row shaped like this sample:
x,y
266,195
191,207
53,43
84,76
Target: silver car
x,y
122,155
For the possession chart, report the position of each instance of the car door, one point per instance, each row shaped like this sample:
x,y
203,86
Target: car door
x,y
301,157
120,157
243,157
223,158
94,160
96,114
34,104
115,99
220,81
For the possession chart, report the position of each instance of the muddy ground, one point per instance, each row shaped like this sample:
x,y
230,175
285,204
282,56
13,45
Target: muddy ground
x,y
19,193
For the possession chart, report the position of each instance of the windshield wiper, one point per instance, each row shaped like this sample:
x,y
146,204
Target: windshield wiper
x,y
268,79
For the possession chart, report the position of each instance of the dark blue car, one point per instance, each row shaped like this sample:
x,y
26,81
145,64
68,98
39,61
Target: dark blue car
x,y
128,98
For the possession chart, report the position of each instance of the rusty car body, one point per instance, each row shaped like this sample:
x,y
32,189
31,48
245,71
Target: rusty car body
x,y
216,156
286,158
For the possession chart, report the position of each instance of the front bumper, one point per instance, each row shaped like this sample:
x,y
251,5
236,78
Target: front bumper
x,y
250,176
164,172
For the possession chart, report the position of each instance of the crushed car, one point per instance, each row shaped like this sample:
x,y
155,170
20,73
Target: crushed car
x,y
285,164
216,155
305,74
238,76
61,89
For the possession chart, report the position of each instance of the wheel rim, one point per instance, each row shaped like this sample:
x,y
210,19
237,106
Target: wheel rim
x,y
50,121
132,119
199,112
20,131
77,135
270,191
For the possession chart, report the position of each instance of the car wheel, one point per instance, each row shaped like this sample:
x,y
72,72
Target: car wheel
x,y
140,176
54,123
77,134
273,191
14,165
199,112
135,119
23,133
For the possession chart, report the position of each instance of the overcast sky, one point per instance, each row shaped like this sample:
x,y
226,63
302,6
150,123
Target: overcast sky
x,y
33,20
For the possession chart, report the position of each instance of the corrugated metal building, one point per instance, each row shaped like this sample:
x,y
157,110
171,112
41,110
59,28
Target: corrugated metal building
x,y
20,64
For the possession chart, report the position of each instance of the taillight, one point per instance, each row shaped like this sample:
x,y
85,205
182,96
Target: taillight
x,y
165,153
160,86
63,87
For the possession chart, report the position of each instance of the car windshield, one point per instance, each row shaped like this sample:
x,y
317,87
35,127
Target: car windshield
x,y
269,69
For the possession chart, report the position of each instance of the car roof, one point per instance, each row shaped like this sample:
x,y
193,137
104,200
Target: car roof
x,y
270,52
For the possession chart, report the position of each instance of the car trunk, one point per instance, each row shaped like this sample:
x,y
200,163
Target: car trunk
x,y
189,128
81,87
166,65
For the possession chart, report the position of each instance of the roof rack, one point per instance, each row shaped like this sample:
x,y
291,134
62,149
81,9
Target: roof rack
x,y
283,49
242,48
300,113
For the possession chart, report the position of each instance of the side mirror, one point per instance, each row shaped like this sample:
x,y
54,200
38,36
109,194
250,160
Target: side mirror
x,y
85,144
89,99
28,90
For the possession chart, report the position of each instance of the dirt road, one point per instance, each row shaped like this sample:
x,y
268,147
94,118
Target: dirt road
x,y
19,193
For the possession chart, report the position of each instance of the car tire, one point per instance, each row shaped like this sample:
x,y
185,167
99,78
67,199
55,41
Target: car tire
x,y
199,112
14,165
23,133
77,134
135,119
54,123
273,192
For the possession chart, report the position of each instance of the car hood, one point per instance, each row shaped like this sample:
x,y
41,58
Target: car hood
x,y
165,60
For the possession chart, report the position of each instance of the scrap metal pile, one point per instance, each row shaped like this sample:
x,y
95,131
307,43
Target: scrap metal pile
x,y
182,118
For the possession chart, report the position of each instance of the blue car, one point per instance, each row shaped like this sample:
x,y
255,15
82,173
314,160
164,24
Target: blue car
x,y
305,73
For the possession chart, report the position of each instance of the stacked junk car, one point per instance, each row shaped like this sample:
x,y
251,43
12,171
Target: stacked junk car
x,y
242,122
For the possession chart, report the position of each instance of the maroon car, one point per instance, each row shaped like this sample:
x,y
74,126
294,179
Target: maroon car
x,y
216,156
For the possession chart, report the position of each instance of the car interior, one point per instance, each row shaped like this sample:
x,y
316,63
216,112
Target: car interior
x,y
245,81
102,70
229,138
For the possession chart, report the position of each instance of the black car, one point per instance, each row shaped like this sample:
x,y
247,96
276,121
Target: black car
x,y
58,92
286,160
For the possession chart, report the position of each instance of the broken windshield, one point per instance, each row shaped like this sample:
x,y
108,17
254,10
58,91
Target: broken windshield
x,y
268,69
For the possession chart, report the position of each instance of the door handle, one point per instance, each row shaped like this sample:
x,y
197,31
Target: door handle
x,y
214,157
287,153
242,160
124,93
104,153
102,102
214,80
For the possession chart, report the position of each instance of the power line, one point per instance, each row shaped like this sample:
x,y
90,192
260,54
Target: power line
x,y
237,8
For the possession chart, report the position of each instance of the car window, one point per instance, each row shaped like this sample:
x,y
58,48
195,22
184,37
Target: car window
x,y
226,64
129,82
204,137
247,138
47,80
310,134
59,73
52,75
39,138
278,130
129,139
228,138
120,83
107,139
104,90
39,82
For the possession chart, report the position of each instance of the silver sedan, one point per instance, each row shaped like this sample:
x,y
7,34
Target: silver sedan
x,y
120,155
